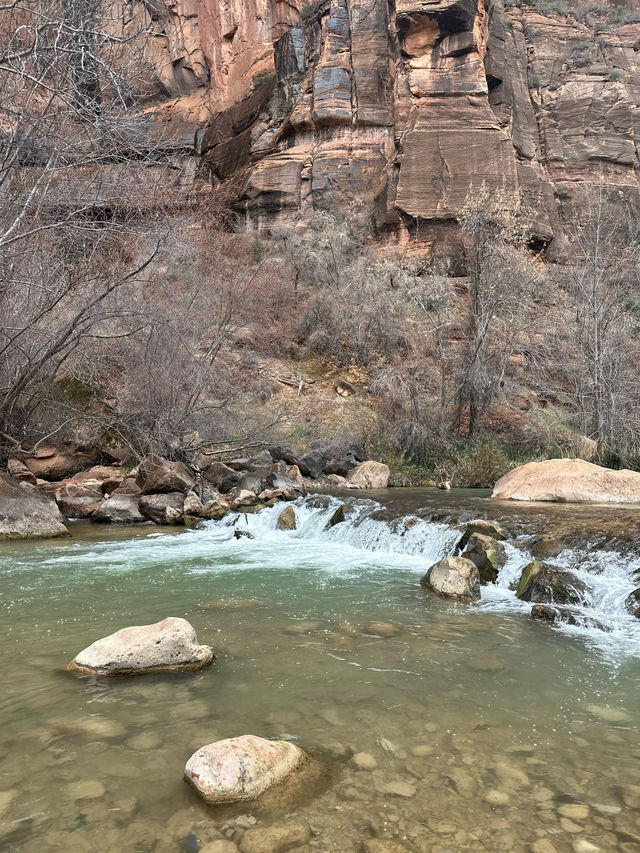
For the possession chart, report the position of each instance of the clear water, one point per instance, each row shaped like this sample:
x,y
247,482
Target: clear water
x,y
501,730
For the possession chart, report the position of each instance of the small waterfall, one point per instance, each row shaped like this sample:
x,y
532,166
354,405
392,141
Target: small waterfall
x,y
367,541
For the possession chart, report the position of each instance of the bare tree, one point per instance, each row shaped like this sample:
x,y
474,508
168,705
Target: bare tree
x,y
599,345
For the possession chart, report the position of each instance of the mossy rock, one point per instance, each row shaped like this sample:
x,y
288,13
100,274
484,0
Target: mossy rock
x,y
339,515
545,584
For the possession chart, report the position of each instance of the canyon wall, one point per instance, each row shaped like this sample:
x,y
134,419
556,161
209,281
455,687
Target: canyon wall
x,y
405,108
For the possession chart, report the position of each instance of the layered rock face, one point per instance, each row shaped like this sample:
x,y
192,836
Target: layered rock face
x,y
407,109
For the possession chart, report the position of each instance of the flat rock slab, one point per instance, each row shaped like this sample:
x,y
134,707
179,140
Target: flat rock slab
x,y
24,513
568,481
242,768
166,645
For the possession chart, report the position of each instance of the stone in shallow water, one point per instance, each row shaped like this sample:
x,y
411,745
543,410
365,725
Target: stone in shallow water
x,y
543,845
584,846
382,845
241,768
496,797
6,797
609,715
145,740
398,788
305,627
574,811
166,645
220,846
286,835
383,629
90,790
365,761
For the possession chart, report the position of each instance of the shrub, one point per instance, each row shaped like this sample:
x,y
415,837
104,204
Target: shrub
x,y
481,466
615,75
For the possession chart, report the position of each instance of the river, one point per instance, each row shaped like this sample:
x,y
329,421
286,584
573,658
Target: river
x,y
448,727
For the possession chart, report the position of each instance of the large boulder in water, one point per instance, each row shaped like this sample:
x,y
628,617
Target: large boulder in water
x,y
369,475
454,577
546,584
488,555
166,645
568,480
156,474
241,768
24,513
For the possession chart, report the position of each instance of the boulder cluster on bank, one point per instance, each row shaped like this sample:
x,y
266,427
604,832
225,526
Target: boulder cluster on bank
x,y
43,488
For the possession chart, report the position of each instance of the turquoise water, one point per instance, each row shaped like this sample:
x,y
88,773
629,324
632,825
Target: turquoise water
x,y
483,729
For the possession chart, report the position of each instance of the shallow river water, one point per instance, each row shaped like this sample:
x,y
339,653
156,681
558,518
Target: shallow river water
x,y
447,728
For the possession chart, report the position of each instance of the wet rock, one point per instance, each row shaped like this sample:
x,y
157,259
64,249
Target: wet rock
x,y
313,464
610,715
632,603
285,835
548,546
163,509
243,534
584,846
487,554
304,627
568,480
567,615
214,509
219,846
383,845
339,515
454,577
369,475
119,509
364,761
574,811
241,768
398,788
543,845
145,741
90,727
510,776
156,474
89,790
166,645
25,514
383,629
6,798
485,528
496,797
542,583
287,519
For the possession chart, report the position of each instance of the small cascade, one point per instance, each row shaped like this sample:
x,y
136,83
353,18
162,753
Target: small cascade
x,y
363,541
